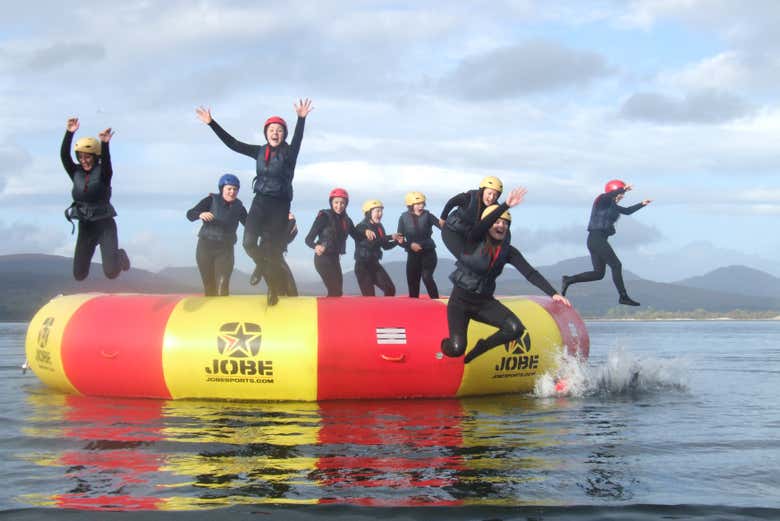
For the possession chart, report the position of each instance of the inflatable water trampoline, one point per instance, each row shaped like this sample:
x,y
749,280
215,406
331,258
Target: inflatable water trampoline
x,y
303,349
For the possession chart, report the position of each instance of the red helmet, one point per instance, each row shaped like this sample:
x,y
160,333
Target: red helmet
x,y
275,119
614,185
338,192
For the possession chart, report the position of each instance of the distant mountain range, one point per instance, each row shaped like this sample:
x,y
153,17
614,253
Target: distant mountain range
x,y
28,281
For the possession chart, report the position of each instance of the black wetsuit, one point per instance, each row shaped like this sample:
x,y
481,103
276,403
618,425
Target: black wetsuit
x,y
468,208
92,208
214,252
330,230
419,264
480,261
368,270
267,219
603,216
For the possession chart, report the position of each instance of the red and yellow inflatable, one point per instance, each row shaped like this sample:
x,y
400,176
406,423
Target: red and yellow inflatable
x,y
304,348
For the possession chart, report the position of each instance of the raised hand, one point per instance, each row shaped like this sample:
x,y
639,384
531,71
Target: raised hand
x,y
646,202
628,187
516,196
72,125
303,107
204,114
106,135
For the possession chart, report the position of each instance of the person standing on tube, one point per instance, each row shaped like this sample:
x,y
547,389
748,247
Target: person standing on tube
x,y
220,213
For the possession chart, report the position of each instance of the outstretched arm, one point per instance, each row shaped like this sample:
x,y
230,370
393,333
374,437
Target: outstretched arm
x,y
633,208
105,154
480,230
517,260
204,114
71,127
302,109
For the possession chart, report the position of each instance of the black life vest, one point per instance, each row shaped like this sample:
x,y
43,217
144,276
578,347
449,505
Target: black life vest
x,y
604,214
226,218
463,218
476,271
366,250
274,176
334,236
91,196
417,229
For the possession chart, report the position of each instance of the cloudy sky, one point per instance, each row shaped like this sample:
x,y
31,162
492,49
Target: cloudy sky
x,y
678,97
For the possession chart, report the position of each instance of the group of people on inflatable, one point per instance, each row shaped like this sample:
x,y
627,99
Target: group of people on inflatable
x,y
474,228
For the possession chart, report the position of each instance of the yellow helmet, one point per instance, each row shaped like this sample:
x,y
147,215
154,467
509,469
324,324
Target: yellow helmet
x,y
371,204
493,182
492,208
88,145
414,198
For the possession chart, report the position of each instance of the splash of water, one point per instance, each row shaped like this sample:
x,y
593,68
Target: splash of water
x,y
621,374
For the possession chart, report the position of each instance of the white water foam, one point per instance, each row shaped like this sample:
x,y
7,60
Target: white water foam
x,y
622,373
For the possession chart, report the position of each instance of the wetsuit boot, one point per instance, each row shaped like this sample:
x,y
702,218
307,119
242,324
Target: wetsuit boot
x,y
627,301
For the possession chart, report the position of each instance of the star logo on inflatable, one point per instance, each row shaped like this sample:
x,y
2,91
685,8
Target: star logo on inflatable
x,y
520,346
239,339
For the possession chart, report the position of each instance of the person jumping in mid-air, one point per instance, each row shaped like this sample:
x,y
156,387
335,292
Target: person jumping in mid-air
x,y
265,233
91,178
481,259
603,216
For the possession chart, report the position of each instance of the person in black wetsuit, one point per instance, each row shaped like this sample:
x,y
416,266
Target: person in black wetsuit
x,y
603,216
482,255
368,253
463,211
91,178
220,213
415,228
267,220
328,238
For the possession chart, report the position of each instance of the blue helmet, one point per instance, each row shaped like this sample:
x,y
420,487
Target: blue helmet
x,y
229,179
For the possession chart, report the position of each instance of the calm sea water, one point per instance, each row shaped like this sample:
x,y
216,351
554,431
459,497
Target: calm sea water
x,y
666,420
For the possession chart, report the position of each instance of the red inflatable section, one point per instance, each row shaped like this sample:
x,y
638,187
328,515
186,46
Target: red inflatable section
x,y
575,336
364,340
115,343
